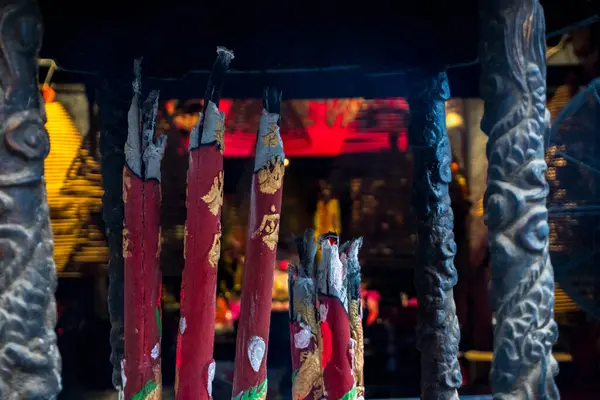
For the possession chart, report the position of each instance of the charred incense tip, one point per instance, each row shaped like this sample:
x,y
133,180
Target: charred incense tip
x,y
307,250
216,77
344,247
195,133
330,278
224,54
300,246
272,100
349,258
209,129
221,65
351,247
137,74
149,113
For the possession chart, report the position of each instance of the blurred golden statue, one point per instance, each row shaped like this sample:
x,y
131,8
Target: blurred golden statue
x,y
327,216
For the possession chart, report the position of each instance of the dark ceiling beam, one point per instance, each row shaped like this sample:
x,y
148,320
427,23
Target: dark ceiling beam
x,y
340,83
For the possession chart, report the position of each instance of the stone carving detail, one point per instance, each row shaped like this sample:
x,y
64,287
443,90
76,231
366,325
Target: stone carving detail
x,y
29,358
435,276
513,85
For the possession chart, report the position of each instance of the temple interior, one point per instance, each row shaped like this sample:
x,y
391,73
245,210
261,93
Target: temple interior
x,y
348,169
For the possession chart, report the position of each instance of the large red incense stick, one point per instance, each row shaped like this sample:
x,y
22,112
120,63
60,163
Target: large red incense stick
x,y
349,258
195,367
141,369
337,350
250,378
304,324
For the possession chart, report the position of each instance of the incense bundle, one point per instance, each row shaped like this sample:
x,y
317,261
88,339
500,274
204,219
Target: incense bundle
x,y
326,333
305,333
250,380
141,368
195,367
338,348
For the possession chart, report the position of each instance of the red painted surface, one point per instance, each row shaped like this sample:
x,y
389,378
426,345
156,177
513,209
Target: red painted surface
x,y
257,289
198,287
337,359
295,328
141,251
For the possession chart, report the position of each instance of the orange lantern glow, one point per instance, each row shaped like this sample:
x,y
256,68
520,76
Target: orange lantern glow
x,y
48,93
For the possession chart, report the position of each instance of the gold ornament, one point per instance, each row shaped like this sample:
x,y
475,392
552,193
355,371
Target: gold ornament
x,y
308,376
345,109
220,134
215,250
308,314
156,394
356,332
270,177
271,139
126,186
176,380
159,247
360,392
126,252
269,228
214,197
185,238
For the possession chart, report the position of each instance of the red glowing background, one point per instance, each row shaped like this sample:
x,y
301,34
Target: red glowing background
x,y
308,127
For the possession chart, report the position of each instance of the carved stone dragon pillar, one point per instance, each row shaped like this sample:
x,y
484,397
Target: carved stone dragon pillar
x,y
435,276
29,358
513,86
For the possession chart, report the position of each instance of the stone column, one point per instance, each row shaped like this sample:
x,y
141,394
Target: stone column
x,y
435,276
29,361
114,99
513,86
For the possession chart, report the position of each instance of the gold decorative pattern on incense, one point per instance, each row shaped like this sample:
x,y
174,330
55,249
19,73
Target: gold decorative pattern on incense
x,y
269,229
214,197
270,177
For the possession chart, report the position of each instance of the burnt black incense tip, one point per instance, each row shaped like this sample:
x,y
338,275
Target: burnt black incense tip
x,y
224,54
272,100
217,76
221,65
